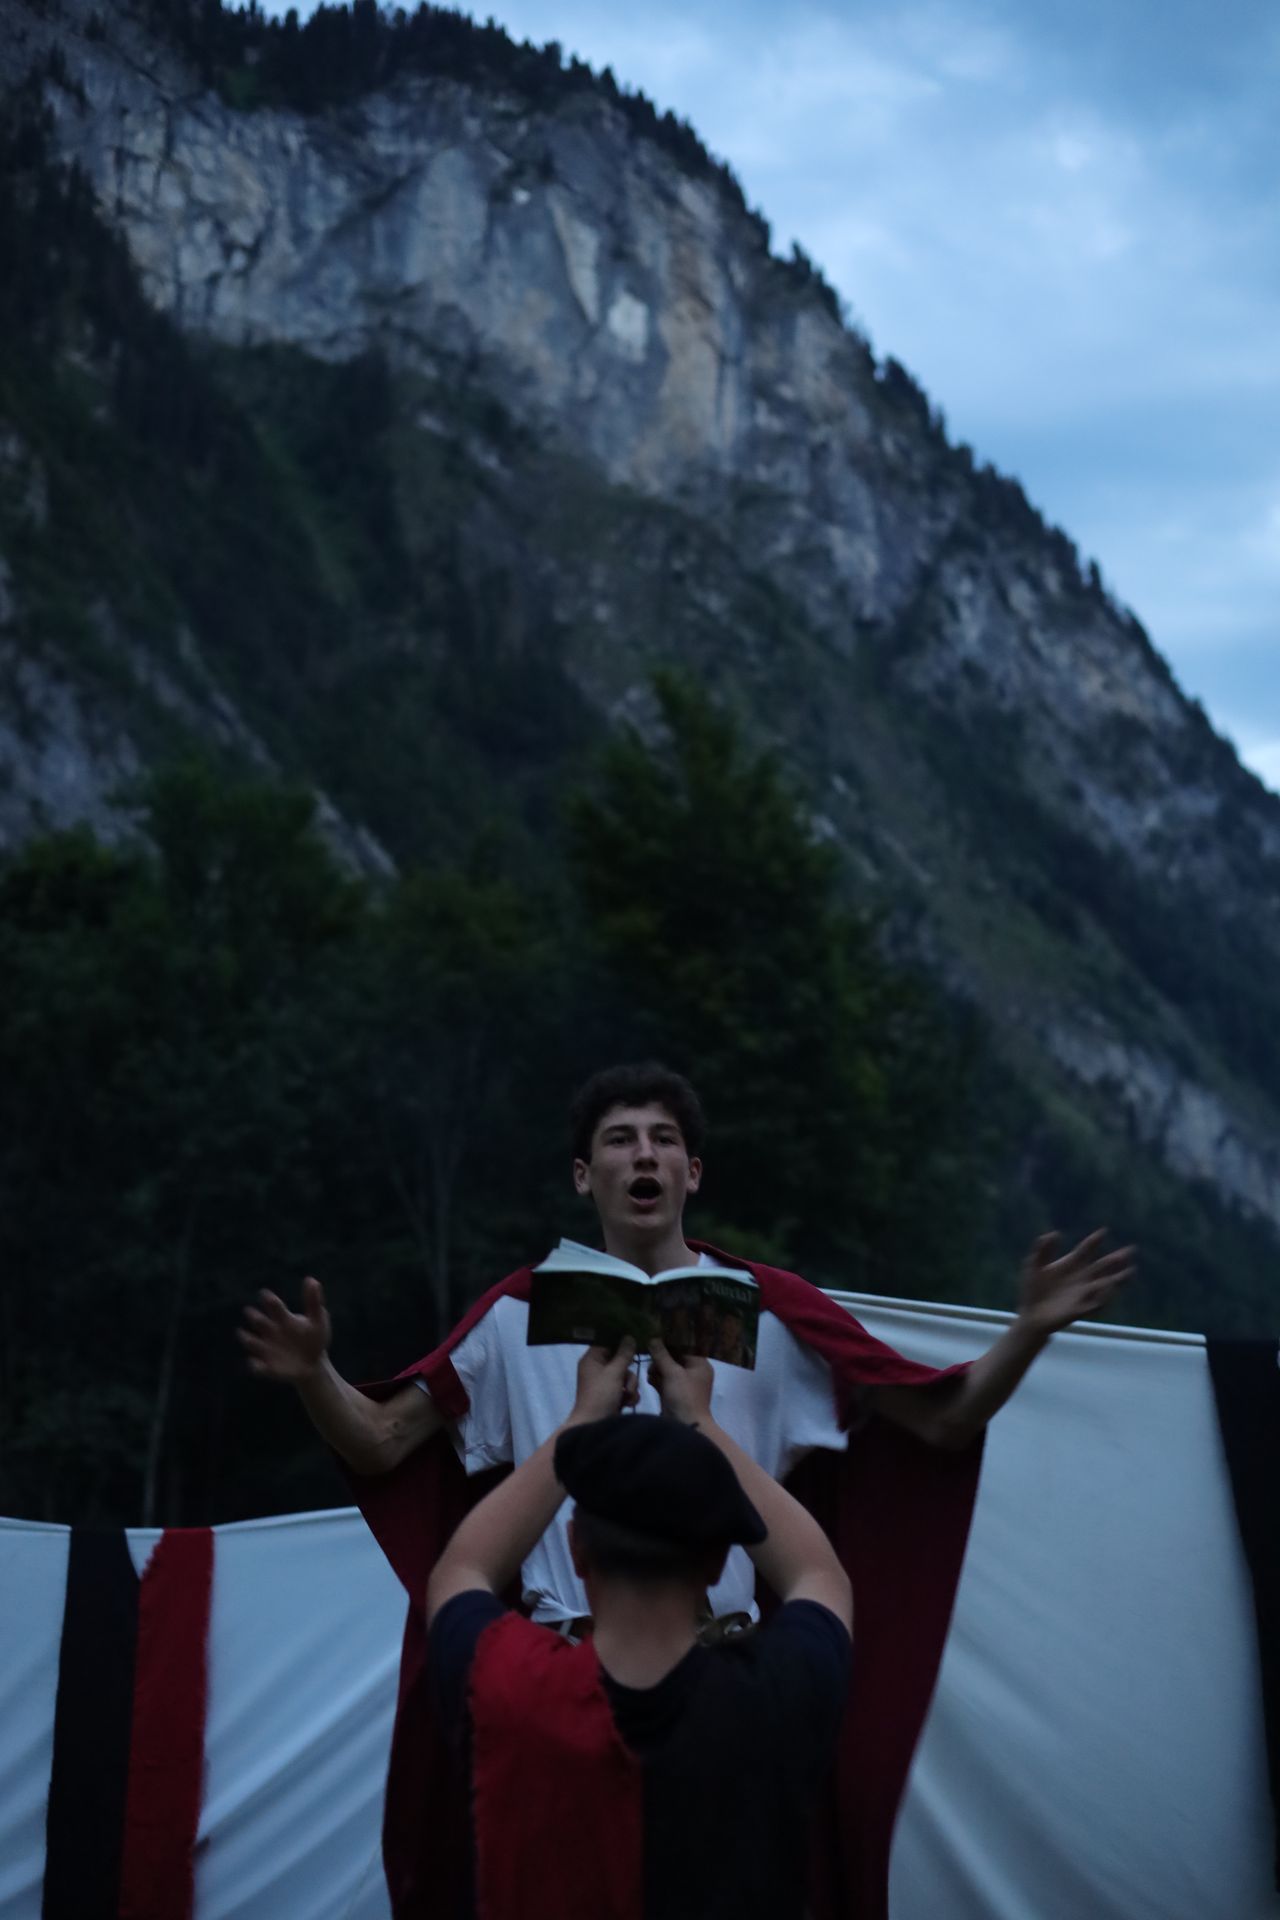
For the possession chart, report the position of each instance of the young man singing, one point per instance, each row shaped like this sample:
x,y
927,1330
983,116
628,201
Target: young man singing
x,y
896,1510
638,1775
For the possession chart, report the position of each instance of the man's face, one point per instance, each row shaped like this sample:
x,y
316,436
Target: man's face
x,y
639,1173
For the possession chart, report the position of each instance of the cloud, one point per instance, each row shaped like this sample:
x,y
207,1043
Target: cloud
x,y
1262,540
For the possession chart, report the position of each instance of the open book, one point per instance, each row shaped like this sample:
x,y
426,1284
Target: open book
x,y
585,1298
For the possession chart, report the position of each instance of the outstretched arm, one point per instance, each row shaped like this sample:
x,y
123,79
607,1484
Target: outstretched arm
x,y
796,1558
1052,1294
495,1539
371,1436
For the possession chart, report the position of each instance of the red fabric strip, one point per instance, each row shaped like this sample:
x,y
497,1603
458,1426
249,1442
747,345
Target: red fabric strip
x,y
898,1514
557,1798
166,1756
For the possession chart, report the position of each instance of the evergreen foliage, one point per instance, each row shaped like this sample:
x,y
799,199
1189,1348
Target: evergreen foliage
x,y
224,1062
842,1090
340,53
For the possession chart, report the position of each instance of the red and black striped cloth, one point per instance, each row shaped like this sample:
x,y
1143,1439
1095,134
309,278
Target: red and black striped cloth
x,y
128,1741
126,1785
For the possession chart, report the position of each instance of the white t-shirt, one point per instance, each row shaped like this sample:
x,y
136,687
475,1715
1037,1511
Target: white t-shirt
x,y
519,1394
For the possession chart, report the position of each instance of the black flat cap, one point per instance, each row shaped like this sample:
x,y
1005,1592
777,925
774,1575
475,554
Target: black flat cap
x,y
658,1476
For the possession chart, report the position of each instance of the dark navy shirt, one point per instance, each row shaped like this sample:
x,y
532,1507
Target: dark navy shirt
x,y
734,1742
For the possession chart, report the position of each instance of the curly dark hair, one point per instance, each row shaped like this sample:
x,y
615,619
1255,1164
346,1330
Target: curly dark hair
x,y
639,1084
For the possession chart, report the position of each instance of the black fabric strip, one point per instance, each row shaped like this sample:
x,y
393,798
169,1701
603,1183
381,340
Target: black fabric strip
x,y
92,1722
1246,1385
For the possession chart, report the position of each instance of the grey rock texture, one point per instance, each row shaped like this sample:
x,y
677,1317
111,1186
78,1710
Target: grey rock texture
x,y
632,316
59,766
65,762
1190,1126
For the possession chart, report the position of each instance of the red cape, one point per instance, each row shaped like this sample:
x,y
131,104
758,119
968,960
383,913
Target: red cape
x,y
897,1512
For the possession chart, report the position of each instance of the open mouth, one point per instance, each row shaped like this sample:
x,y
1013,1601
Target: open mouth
x,y
644,1189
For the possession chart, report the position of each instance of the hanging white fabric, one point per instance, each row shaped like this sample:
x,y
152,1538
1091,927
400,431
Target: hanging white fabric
x,y
1095,1745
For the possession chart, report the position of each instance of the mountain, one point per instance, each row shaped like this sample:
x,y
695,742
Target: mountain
x,y
469,393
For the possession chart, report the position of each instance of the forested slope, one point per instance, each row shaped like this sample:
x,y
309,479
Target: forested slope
x,y
416,736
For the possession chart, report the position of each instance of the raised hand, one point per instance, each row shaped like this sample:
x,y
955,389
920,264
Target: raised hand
x,y
683,1386
1054,1292
605,1382
281,1345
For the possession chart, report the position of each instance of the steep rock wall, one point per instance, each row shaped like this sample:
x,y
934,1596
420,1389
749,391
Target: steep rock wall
x,y
632,316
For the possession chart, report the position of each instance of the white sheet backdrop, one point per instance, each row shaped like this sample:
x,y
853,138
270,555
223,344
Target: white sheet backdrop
x,y
1095,1747
1094,1750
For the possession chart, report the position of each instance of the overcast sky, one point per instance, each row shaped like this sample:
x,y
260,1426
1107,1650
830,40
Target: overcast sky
x,y
1065,220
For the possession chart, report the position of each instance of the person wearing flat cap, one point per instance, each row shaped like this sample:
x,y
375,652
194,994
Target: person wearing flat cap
x,y
638,1774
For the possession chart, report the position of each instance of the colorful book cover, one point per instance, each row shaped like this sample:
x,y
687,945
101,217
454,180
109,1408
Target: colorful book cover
x,y
581,1297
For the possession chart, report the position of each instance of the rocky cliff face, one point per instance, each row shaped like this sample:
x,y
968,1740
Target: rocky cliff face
x,y
966,708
